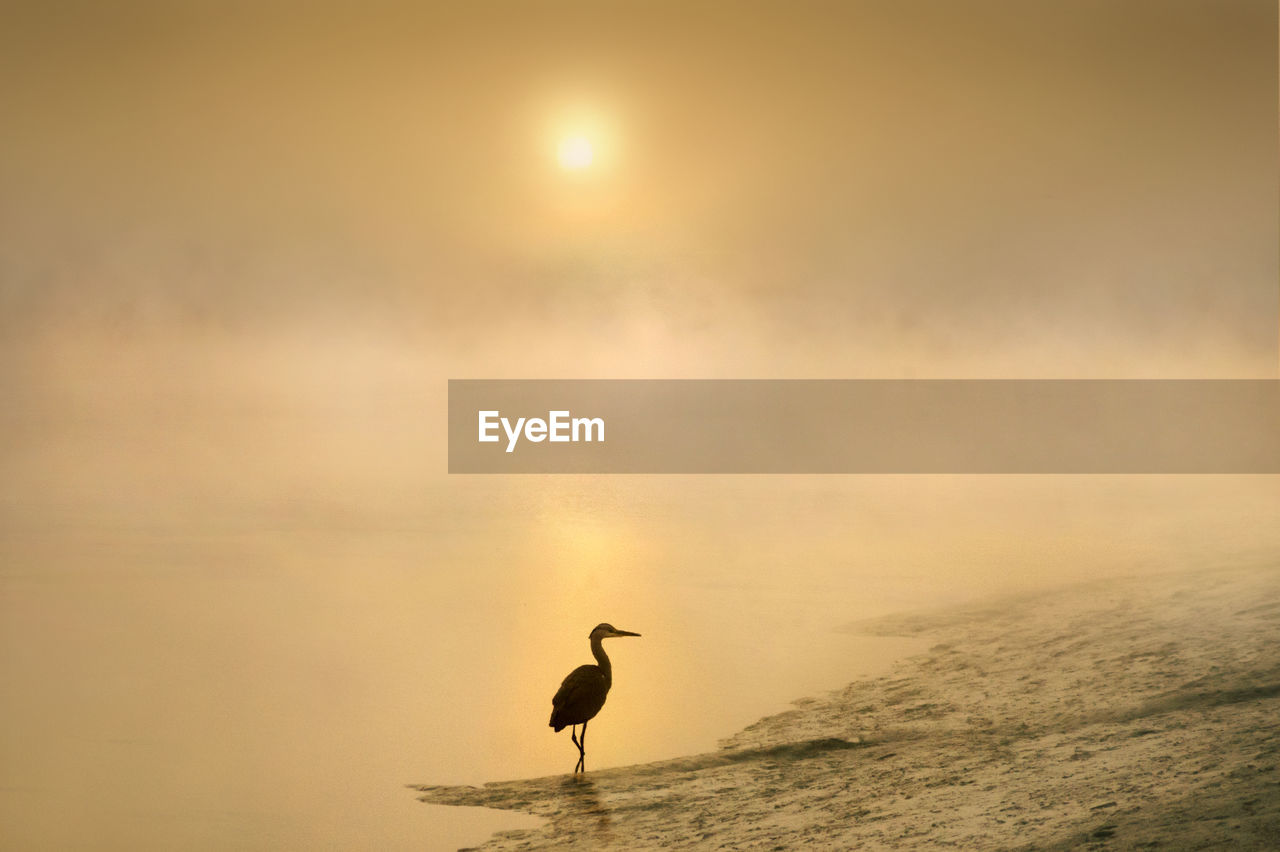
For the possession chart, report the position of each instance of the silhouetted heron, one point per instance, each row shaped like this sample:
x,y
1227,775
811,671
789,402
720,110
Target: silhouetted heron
x,y
583,692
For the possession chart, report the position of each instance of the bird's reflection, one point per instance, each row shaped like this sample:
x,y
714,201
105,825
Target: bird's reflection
x,y
582,805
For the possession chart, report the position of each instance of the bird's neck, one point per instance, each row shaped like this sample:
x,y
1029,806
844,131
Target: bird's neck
x,y
597,651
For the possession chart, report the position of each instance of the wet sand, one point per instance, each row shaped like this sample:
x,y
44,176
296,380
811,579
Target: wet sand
x,y
1126,714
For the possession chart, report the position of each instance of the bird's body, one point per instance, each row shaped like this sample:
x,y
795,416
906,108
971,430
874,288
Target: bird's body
x,y
583,692
580,696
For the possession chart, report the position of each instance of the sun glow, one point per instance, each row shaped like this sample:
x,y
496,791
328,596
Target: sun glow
x,y
575,153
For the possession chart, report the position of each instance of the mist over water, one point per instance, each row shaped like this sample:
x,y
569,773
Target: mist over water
x,y
242,606
242,252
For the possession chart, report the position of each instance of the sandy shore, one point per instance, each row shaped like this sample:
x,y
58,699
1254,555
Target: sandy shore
x,y
1127,714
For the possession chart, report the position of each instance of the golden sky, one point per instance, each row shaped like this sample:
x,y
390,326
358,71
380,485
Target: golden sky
x,y
951,177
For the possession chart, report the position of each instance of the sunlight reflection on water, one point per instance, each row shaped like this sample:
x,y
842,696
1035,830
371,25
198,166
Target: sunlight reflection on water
x,y
189,673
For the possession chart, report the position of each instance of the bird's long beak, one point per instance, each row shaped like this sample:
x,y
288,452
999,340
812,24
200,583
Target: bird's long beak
x,y
623,633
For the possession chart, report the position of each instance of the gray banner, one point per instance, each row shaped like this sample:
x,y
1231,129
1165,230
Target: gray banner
x,y
860,426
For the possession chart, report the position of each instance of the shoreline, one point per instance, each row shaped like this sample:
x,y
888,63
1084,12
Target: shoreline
x,y
1131,713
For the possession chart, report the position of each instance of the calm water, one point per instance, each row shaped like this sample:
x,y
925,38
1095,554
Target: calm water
x,y
276,688
232,621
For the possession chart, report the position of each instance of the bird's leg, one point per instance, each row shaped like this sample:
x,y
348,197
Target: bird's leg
x,y
573,735
582,748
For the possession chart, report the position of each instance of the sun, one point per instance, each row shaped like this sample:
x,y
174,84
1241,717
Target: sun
x,y
575,153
